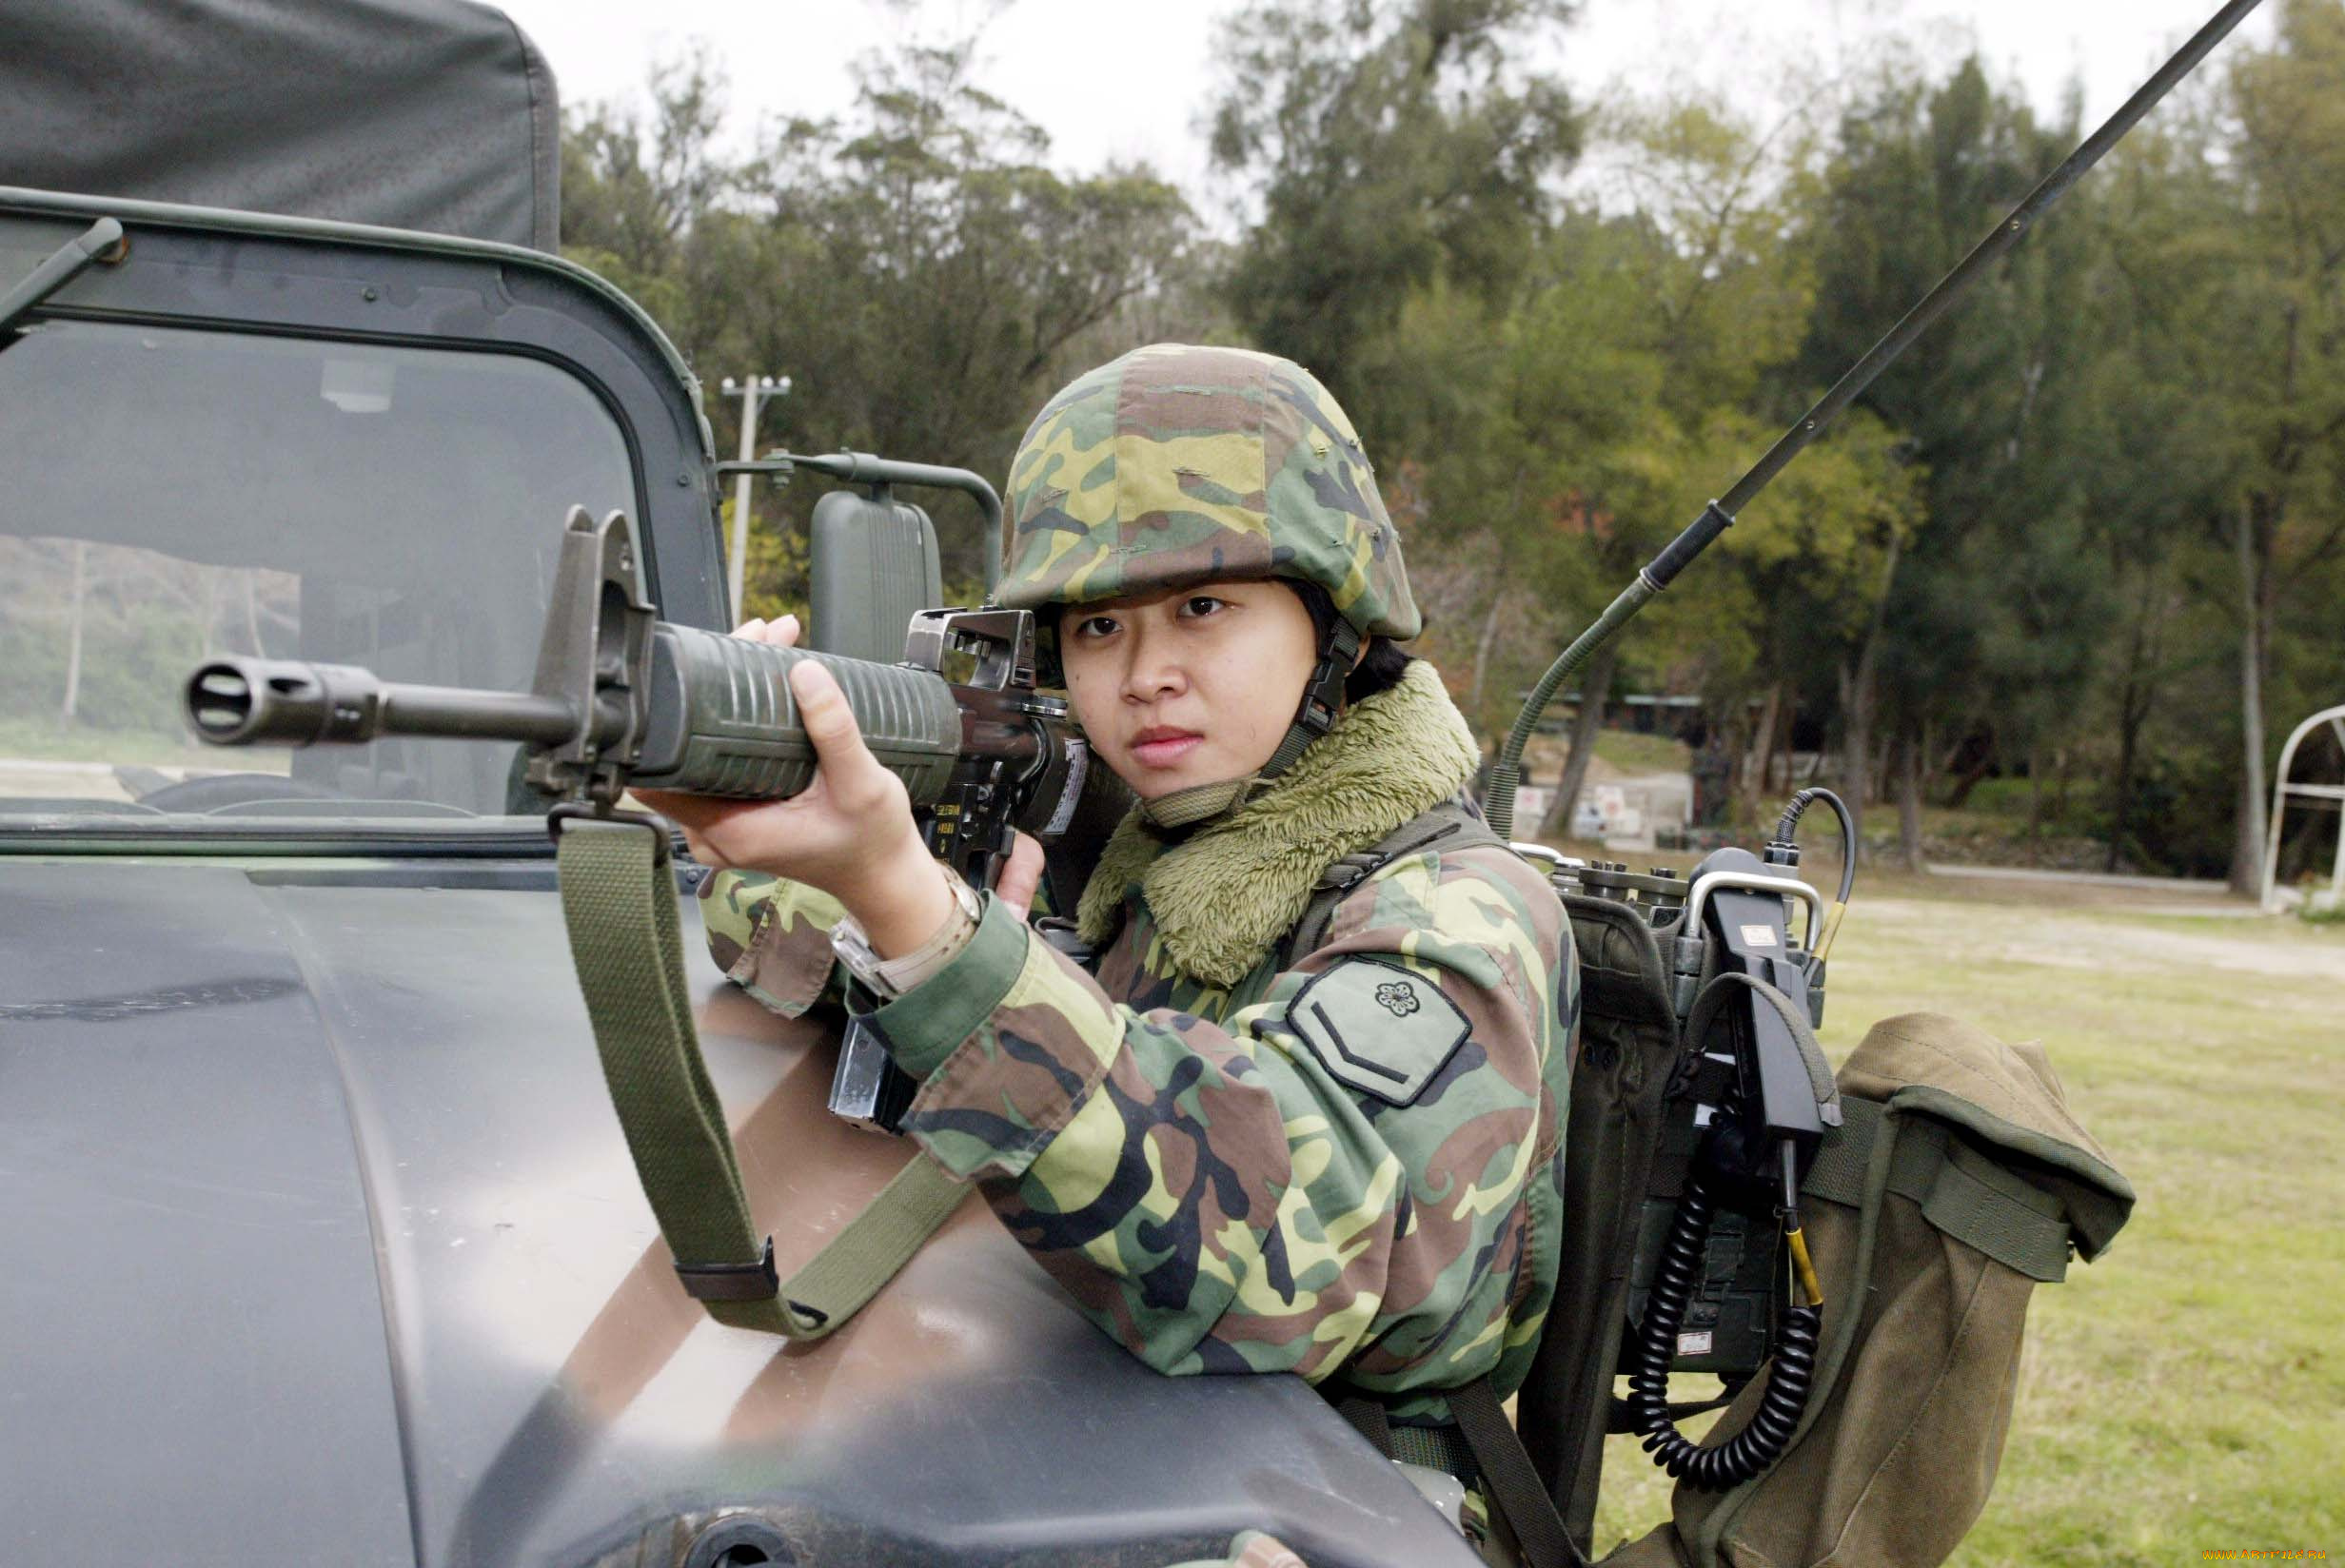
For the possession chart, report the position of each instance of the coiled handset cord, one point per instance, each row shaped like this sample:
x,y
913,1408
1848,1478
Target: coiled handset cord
x,y
1790,1373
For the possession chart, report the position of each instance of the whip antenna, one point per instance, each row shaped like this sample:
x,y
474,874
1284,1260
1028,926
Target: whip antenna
x,y
1498,805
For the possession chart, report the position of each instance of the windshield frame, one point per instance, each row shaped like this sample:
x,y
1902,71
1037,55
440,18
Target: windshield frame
x,y
326,282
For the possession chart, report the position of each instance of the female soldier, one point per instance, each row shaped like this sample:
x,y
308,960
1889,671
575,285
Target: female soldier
x,y
1239,1145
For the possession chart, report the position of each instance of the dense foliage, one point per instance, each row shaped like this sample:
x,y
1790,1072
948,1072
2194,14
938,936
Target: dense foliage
x,y
2087,541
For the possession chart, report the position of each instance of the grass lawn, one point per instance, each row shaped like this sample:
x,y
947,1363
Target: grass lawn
x,y
1618,754
1643,754
2187,1392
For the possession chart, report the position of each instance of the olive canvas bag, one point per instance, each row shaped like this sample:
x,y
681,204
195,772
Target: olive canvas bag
x,y
1960,1183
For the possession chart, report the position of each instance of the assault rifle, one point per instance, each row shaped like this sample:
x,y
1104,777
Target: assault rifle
x,y
622,698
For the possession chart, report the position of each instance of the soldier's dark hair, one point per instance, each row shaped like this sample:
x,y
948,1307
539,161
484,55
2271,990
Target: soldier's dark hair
x,y
1379,669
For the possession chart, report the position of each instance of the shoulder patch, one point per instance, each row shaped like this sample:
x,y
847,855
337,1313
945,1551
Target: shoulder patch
x,y
1377,1028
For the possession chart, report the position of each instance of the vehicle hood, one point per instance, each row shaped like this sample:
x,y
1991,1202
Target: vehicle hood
x,y
322,1246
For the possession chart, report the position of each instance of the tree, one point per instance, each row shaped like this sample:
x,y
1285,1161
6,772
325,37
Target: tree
x,y
1557,438
1387,143
2233,253
2282,369
2088,527
1680,317
2165,463
917,269
1990,613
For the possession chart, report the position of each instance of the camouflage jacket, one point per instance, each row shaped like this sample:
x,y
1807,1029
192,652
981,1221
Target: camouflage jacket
x,y
1238,1159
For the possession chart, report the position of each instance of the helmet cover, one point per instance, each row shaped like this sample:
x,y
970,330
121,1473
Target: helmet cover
x,y
1177,464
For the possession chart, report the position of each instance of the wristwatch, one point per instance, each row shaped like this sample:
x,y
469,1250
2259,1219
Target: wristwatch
x,y
888,978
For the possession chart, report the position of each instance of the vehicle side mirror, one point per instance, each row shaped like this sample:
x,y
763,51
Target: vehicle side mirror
x,y
871,567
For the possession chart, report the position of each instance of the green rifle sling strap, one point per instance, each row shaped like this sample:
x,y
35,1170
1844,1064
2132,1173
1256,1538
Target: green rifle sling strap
x,y
1509,1480
619,901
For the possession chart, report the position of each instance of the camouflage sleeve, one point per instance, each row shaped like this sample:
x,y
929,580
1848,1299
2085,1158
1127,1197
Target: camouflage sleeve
x,y
771,936
1333,1176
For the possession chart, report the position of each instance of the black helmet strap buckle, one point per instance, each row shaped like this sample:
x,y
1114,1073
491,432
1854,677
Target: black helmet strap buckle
x,y
1323,695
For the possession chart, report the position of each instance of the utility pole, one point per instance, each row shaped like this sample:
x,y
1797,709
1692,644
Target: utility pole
x,y
753,391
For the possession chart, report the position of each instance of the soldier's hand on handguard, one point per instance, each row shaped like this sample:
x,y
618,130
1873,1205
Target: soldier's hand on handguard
x,y
850,833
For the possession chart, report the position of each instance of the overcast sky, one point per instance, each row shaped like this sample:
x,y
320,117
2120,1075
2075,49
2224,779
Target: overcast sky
x,y
1115,79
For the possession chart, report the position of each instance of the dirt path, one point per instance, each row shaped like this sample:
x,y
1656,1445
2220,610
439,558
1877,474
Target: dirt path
x,y
2115,940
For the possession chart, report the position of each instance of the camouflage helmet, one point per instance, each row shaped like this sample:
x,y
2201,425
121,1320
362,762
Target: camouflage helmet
x,y
1178,464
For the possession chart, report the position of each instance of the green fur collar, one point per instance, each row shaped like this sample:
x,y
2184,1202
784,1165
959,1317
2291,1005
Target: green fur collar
x,y
1223,896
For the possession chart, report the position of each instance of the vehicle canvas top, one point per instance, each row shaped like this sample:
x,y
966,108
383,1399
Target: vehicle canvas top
x,y
247,104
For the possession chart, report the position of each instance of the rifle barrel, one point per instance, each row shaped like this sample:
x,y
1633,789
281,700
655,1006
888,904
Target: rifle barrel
x,y
716,715
286,702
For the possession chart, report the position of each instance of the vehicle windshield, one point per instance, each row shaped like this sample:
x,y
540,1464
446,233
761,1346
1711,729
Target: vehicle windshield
x,y
170,494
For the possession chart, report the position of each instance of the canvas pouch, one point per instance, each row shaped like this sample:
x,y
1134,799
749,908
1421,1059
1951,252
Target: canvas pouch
x,y
1960,1183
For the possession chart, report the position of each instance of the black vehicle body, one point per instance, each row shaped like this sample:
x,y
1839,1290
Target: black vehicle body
x,y
321,1241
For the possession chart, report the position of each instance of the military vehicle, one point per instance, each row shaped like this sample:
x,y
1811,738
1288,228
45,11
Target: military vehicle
x,y
324,1244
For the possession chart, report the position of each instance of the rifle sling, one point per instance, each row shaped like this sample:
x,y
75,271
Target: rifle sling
x,y
1512,1481
619,901
1480,1448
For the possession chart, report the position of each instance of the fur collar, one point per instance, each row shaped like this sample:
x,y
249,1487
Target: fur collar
x,y
1223,896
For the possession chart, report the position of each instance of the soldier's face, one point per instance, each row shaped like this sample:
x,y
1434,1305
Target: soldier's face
x,y
1187,686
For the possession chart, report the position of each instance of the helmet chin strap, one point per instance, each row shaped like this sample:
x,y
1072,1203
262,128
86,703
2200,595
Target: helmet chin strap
x,y
1323,699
